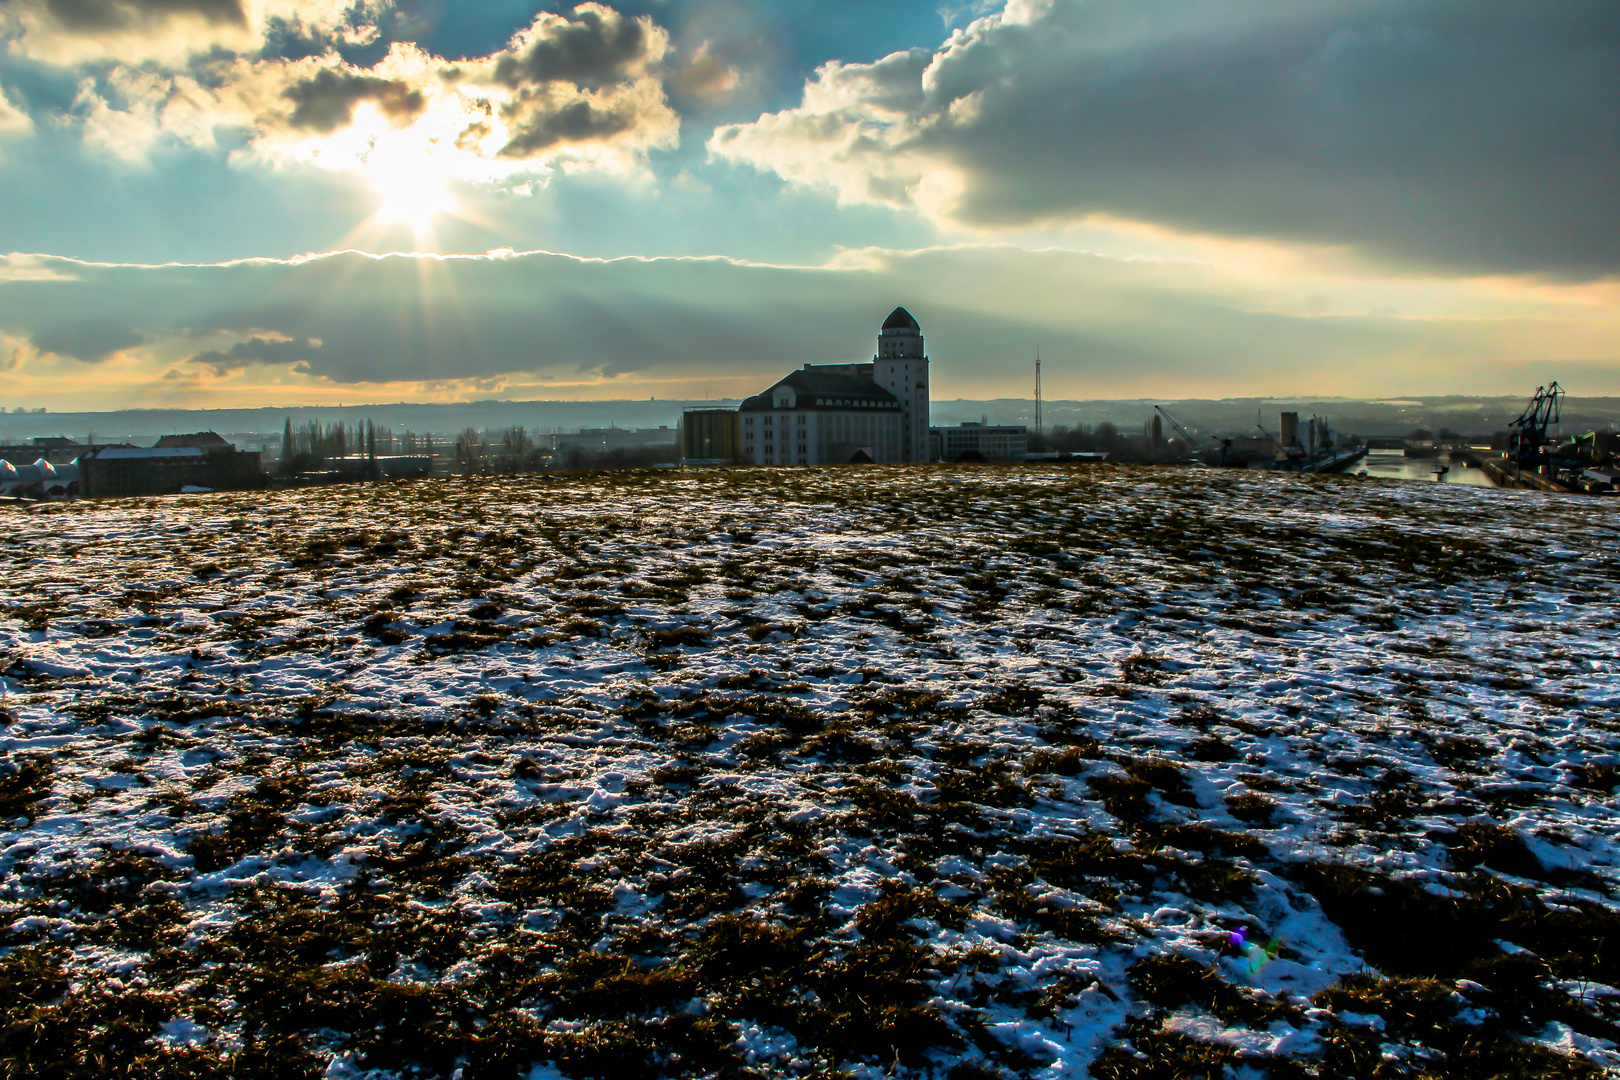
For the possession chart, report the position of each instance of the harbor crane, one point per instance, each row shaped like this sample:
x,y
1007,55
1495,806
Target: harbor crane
x,y
1187,436
1529,440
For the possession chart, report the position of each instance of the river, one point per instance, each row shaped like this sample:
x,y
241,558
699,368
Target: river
x,y
1397,466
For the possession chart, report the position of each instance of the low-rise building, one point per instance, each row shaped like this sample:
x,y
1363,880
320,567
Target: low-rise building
x,y
980,442
604,440
202,461
711,437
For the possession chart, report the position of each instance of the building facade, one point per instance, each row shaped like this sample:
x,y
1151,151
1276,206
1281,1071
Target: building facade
x,y
203,461
604,440
980,442
821,416
711,436
833,414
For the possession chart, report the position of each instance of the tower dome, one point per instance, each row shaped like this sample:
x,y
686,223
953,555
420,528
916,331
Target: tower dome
x,y
900,319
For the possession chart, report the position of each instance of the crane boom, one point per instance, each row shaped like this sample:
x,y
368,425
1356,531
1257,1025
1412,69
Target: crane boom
x,y
1180,430
1529,444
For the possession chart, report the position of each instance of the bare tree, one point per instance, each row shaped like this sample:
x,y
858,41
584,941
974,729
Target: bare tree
x,y
516,448
471,449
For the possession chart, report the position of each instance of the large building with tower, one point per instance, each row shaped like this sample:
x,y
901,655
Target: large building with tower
x,y
830,414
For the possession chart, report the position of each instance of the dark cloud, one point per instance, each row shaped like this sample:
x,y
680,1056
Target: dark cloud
x,y
258,350
1123,326
538,126
98,15
91,339
1481,136
594,47
326,101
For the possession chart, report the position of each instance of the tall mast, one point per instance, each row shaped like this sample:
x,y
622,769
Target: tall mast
x,y
1037,390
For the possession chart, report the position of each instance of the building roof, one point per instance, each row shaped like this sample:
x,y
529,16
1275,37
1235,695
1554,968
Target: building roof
x,y
826,390
128,453
205,440
900,319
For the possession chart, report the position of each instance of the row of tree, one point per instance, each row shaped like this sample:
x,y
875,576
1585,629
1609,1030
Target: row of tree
x,y
1079,439
314,447
510,449
515,449
355,448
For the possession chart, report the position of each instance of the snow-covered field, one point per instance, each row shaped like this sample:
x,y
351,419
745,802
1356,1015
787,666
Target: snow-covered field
x,y
892,771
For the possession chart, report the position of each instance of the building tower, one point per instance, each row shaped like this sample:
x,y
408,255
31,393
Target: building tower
x,y
901,368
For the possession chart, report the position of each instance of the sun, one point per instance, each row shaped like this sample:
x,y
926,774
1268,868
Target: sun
x,y
413,192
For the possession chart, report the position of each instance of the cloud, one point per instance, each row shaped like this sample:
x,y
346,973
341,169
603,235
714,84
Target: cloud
x,y
1479,137
539,122
325,101
171,31
90,15
90,339
594,47
13,121
1108,327
578,90
586,79
14,352
706,77
259,350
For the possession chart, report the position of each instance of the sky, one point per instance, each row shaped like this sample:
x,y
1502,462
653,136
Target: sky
x,y
224,203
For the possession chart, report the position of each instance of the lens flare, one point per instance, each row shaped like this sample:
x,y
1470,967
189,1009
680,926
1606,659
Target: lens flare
x,y
1258,953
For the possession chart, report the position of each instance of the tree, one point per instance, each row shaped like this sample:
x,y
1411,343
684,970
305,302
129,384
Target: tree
x,y
516,447
470,449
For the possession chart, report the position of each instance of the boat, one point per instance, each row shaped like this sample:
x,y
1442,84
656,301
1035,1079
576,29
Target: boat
x,y
1334,460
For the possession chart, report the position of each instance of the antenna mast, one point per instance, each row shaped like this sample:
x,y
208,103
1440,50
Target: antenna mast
x,y
1037,390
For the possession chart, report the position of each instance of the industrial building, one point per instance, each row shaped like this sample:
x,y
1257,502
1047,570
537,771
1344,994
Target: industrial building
x,y
200,462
